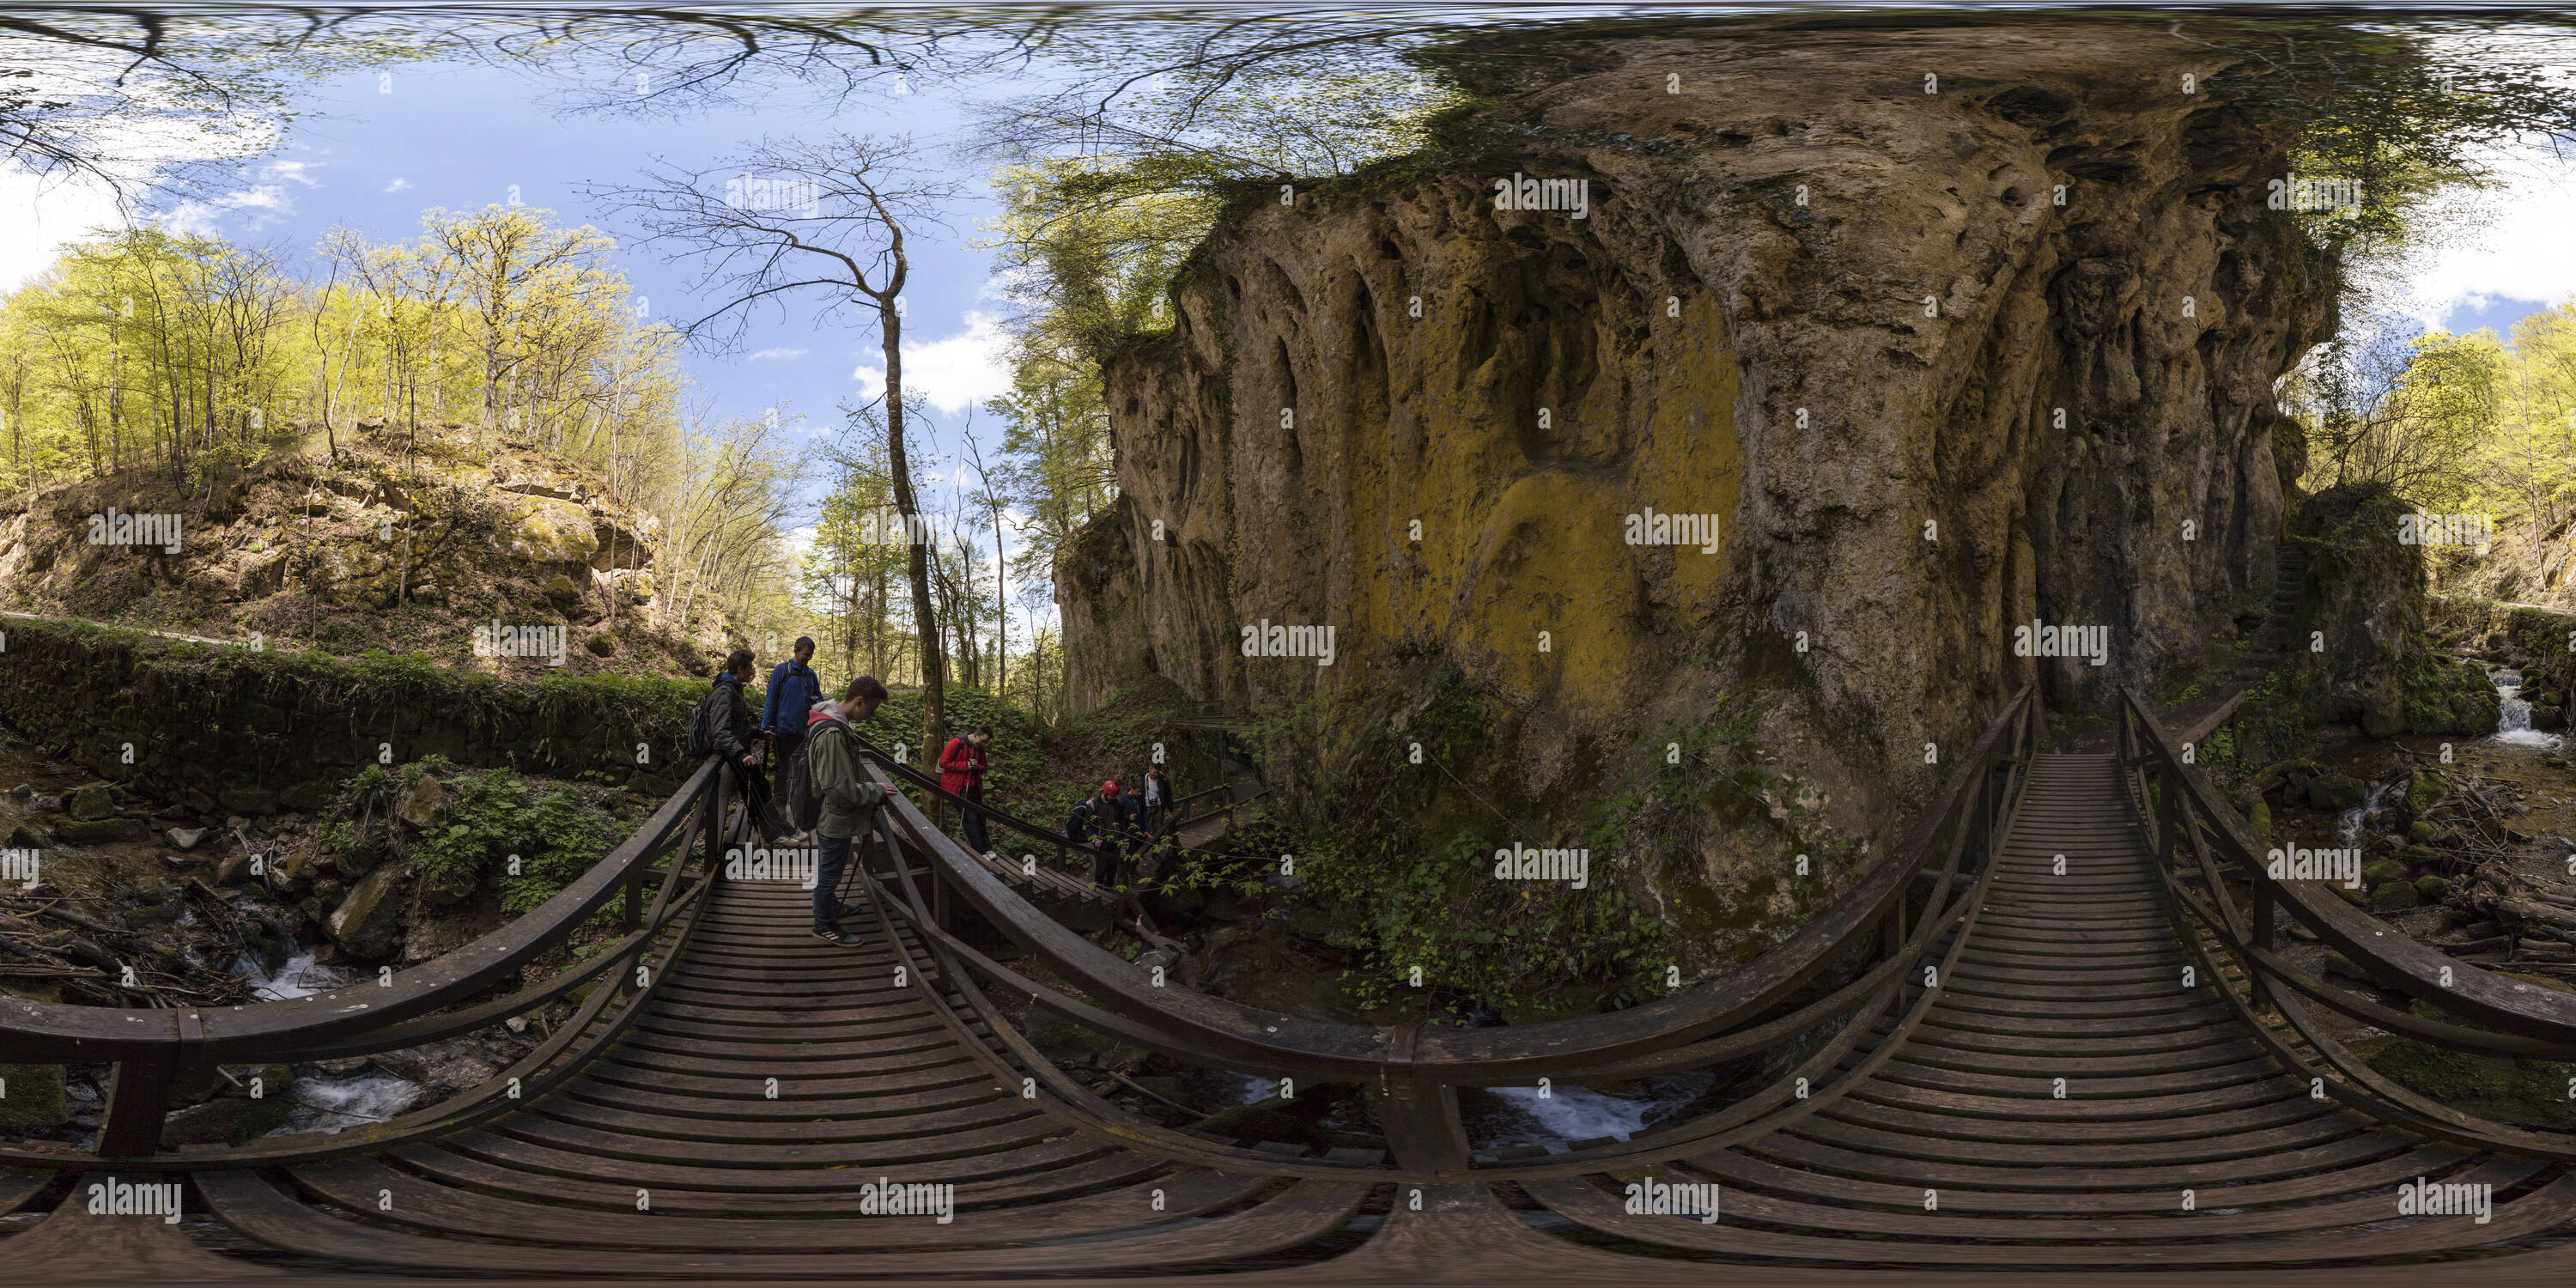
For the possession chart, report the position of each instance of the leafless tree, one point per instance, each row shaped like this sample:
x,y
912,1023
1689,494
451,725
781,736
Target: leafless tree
x,y
823,220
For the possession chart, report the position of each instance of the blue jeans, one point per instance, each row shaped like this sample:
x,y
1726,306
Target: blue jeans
x,y
827,879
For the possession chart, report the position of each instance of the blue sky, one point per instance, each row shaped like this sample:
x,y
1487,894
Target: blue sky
x,y
373,153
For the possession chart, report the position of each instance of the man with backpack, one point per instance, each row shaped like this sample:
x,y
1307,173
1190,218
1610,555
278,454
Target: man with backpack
x,y
1111,822
961,773
793,691
841,801
723,725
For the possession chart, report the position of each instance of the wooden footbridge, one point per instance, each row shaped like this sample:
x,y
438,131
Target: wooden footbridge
x,y
2050,1032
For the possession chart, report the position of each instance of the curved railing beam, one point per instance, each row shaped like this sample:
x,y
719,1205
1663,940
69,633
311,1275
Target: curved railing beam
x,y
2424,973
1260,1041
58,1033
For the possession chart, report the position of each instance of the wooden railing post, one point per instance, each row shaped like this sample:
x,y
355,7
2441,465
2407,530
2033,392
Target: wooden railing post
x,y
137,1095
1423,1129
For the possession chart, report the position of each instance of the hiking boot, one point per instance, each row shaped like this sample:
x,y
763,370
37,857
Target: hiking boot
x,y
836,936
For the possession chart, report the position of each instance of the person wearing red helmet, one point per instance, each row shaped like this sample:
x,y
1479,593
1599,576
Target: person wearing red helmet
x,y
1111,821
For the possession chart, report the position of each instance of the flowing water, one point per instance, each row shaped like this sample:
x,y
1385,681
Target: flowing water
x,y
2513,722
1570,1113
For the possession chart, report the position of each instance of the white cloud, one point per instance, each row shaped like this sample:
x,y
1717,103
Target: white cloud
x,y
2509,243
954,373
39,216
396,186
779,353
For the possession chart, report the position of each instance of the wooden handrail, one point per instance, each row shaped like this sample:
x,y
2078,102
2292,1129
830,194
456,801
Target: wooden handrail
x,y
151,1048
2426,974
1260,1041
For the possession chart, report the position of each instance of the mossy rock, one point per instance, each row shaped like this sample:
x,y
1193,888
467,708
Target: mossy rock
x,y
2383,872
2338,964
35,1096
2419,832
2395,896
2424,793
2431,889
2337,791
2260,818
91,803
230,1120
2351,896
2527,1092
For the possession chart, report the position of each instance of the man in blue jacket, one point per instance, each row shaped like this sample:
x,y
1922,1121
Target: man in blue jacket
x,y
793,690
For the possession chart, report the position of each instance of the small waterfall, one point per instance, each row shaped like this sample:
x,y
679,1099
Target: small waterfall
x,y
1569,1113
2359,816
328,1104
2513,718
296,977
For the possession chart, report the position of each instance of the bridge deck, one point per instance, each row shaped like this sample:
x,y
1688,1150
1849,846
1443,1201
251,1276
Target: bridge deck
x,y
1960,1149
1961,1146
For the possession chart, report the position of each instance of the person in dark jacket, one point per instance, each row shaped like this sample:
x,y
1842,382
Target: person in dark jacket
x,y
1110,821
793,691
961,773
1158,800
849,800
738,738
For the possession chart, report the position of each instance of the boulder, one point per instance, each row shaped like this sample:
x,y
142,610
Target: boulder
x,y
546,530
90,803
2383,872
2336,791
95,831
2394,896
234,870
368,922
2431,889
35,1096
227,1120
185,838
423,802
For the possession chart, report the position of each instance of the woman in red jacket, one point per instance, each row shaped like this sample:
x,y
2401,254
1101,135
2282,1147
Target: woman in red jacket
x,y
961,773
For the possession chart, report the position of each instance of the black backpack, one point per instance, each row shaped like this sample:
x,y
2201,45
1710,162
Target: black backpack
x,y
702,730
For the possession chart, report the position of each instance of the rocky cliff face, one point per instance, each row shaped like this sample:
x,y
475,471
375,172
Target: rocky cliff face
x,y
1936,364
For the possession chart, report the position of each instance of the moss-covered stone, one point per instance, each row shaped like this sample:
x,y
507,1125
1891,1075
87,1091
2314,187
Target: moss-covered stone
x,y
34,1096
2395,896
2261,819
2527,1092
2383,871
2431,889
368,922
94,801
2419,832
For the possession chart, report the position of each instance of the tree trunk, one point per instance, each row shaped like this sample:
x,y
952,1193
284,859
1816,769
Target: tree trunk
x,y
934,715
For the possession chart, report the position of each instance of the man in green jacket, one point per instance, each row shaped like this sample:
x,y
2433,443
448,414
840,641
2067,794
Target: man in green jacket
x,y
849,800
